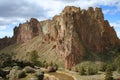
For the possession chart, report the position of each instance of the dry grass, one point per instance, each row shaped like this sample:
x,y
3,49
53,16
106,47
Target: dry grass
x,y
99,76
45,50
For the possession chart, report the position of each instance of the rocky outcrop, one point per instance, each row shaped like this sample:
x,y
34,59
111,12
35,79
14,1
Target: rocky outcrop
x,y
27,31
76,32
4,42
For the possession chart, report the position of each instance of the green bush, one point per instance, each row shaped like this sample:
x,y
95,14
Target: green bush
x,y
102,66
81,70
34,58
5,60
87,68
108,73
117,63
45,64
38,63
91,71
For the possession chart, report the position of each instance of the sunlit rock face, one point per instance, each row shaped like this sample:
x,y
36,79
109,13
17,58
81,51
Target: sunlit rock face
x,y
74,31
79,31
27,31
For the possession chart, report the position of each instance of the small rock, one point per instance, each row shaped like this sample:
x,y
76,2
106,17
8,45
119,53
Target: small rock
x,y
16,67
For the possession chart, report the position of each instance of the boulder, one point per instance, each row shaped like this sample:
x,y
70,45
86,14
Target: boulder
x,y
13,74
16,67
51,69
39,74
16,73
29,69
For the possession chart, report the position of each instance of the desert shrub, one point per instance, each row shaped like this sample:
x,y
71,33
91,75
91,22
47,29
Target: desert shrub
x,y
38,63
91,71
34,58
81,70
102,66
117,63
108,73
23,64
45,64
87,68
5,60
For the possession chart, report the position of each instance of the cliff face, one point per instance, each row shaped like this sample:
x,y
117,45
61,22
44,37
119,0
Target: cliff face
x,y
27,31
79,31
74,31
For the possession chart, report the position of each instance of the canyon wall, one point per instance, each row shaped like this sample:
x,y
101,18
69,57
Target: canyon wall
x,y
75,31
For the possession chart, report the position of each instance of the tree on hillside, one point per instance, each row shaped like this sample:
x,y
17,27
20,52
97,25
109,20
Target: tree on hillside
x,y
34,57
108,73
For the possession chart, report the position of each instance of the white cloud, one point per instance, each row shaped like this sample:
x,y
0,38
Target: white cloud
x,y
115,24
107,11
19,11
2,27
4,33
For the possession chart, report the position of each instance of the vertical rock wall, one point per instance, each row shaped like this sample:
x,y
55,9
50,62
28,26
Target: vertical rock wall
x,y
75,32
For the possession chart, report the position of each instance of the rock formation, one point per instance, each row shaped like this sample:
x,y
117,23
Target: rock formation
x,y
78,31
75,31
4,42
27,31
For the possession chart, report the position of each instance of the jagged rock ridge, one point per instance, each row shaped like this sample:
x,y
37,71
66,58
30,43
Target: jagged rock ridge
x,y
5,42
74,31
27,31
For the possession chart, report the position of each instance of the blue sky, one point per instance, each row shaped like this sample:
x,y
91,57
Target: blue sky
x,y
15,12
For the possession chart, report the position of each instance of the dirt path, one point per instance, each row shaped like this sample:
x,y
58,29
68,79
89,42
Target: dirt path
x,y
61,76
